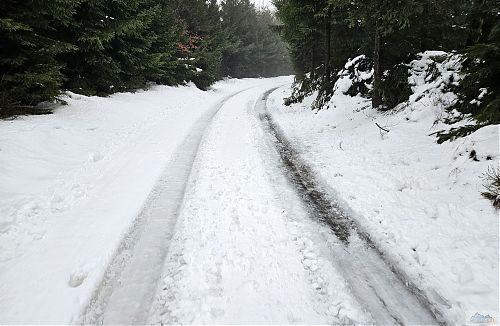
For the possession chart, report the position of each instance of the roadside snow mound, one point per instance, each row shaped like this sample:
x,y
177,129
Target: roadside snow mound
x,y
419,200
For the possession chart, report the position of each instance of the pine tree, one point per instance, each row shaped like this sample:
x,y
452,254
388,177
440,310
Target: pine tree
x,y
272,55
239,21
321,37
323,34
92,69
386,19
203,40
131,46
301,32
29,71
165,30
479,90
254,47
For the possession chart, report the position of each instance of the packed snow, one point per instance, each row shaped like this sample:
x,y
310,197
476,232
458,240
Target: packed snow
x,y
419,201
244,252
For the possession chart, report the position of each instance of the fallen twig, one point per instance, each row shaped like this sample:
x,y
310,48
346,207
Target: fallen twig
x,y
381,127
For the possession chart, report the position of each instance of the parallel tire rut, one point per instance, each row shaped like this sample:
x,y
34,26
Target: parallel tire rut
x,y
127,290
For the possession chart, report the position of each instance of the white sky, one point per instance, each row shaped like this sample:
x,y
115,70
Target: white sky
x,y
263,3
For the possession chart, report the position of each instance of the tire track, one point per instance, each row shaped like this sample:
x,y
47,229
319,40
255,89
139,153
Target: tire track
x,y
127,290
381,287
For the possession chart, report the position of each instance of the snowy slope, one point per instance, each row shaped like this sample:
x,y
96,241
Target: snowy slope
x,y
73,182
420,201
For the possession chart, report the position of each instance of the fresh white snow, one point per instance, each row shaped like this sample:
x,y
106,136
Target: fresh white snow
x,y
419,201
73,183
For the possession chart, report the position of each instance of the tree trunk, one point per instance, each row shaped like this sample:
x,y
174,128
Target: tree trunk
x,y
376,97
328,30
313,57
476,36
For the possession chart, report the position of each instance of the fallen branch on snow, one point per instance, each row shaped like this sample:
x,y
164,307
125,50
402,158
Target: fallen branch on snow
x,y
381,127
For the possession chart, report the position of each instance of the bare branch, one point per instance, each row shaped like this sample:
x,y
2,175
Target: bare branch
x,y
381,127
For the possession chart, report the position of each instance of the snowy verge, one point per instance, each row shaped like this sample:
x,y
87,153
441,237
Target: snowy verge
x,y
73,182
420,201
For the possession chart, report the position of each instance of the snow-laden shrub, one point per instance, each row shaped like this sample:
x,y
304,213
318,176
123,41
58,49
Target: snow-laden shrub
x,y
399,82
431,78
356,78
492,186
304,86
479,90
360,72
395,86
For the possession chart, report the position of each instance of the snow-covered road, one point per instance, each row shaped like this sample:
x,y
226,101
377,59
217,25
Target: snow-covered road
x,y
239,253
75,184
245,246
378,285
229,234
127,290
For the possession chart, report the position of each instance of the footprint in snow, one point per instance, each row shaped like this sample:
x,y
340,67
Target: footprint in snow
x,y
77,278
96,157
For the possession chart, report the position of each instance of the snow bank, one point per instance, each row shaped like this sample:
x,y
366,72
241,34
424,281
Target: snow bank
x,y
420,201
73,182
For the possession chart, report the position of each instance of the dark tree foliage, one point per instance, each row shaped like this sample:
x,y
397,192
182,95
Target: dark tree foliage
x,y
321,39
167,28
479,90
91,69
254,49
121,45
323,34
98,47
29,71
202,41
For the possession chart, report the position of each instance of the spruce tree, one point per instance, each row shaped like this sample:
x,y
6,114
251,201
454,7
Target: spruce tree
x,y
321,38
239,21
254,50
165,32
272,55
203,40
385,19
479,90
29,71
122,45
92,69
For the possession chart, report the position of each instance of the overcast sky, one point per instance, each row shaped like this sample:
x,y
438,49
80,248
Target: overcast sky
x,y
263,3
